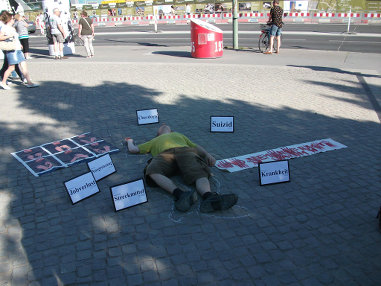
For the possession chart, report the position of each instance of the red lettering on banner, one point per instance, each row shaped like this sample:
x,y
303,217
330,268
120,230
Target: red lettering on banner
x,y
256,159
313,147
277,155
292,152
224,164
239,163
328,144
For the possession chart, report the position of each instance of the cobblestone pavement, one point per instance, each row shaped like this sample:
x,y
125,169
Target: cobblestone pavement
x,y
319,229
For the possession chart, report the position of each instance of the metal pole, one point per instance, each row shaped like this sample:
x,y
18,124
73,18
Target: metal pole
x,y
155,18
235,24
349,19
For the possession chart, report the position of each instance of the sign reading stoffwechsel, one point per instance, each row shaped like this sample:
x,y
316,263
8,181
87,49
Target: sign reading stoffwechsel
x,y
102,167
81,187
128,194
224,124
274,172
147,116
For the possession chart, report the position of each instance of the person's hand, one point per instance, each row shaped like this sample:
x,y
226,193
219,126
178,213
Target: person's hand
x,y
210,160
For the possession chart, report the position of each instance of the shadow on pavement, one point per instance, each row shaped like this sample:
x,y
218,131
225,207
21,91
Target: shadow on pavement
x,y
177,54
319,227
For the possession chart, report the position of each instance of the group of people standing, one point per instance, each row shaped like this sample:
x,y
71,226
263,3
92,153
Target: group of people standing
x,y
14,28
55,27
15,60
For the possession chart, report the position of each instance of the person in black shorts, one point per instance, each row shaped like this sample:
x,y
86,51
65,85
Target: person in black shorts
x,y
173,152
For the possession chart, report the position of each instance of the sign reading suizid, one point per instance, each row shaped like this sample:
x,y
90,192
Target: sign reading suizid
x,y
101,167
128,194
147,116
222,124
81,187
274,172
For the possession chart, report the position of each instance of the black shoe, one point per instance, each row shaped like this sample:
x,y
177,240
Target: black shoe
x,y
186,200
217,202
379,218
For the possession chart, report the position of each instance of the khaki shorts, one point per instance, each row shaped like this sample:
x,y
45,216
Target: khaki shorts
x,y
186,160
58,38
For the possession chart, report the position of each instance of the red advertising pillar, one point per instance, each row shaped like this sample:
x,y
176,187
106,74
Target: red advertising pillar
x,y
206,40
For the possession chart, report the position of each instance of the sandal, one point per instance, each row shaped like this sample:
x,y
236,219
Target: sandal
x,y
268,53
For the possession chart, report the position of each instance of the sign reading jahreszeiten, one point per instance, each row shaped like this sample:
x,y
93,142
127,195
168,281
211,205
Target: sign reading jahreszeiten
x,y
128,194
81,187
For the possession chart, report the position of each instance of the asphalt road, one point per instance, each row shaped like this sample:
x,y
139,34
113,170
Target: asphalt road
x,y
362,38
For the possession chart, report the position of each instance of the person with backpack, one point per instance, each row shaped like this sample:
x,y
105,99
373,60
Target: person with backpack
x,y
86,32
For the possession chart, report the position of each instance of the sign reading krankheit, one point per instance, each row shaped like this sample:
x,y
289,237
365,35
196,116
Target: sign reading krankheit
x,y
222,124
147,116
274,172
81,187
128,194
102,167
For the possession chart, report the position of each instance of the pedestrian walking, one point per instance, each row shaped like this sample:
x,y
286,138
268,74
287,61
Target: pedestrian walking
x,y
4,39
21,27
58,33
187,9
275,18
86,32
15,56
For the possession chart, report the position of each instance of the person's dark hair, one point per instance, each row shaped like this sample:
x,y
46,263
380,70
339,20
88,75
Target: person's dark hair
x,y
84,13
5,16
276,2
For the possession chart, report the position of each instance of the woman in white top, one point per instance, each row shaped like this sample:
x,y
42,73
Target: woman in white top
x,y
16,56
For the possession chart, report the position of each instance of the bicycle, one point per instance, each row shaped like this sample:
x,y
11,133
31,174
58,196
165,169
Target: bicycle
x,y
264,38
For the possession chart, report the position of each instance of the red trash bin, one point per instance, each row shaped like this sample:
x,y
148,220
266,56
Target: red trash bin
x,y
206,40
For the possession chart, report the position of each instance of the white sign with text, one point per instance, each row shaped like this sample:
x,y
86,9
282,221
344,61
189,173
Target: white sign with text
x,y
147,116
274,172
128,194
222,124
101,167
81,187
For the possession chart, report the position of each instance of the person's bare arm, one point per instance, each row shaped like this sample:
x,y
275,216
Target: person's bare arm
x,y
131,146
3,37
61,30
209,158
80,29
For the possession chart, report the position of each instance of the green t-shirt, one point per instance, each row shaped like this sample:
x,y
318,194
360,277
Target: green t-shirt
x,y
165,142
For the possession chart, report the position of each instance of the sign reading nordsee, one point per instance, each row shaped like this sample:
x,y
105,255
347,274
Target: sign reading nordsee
x,y
222,124
128,194
274,172
81,187
147,116
101,167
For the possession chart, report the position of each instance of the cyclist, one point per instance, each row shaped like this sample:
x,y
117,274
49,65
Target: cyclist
x,y
275,19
